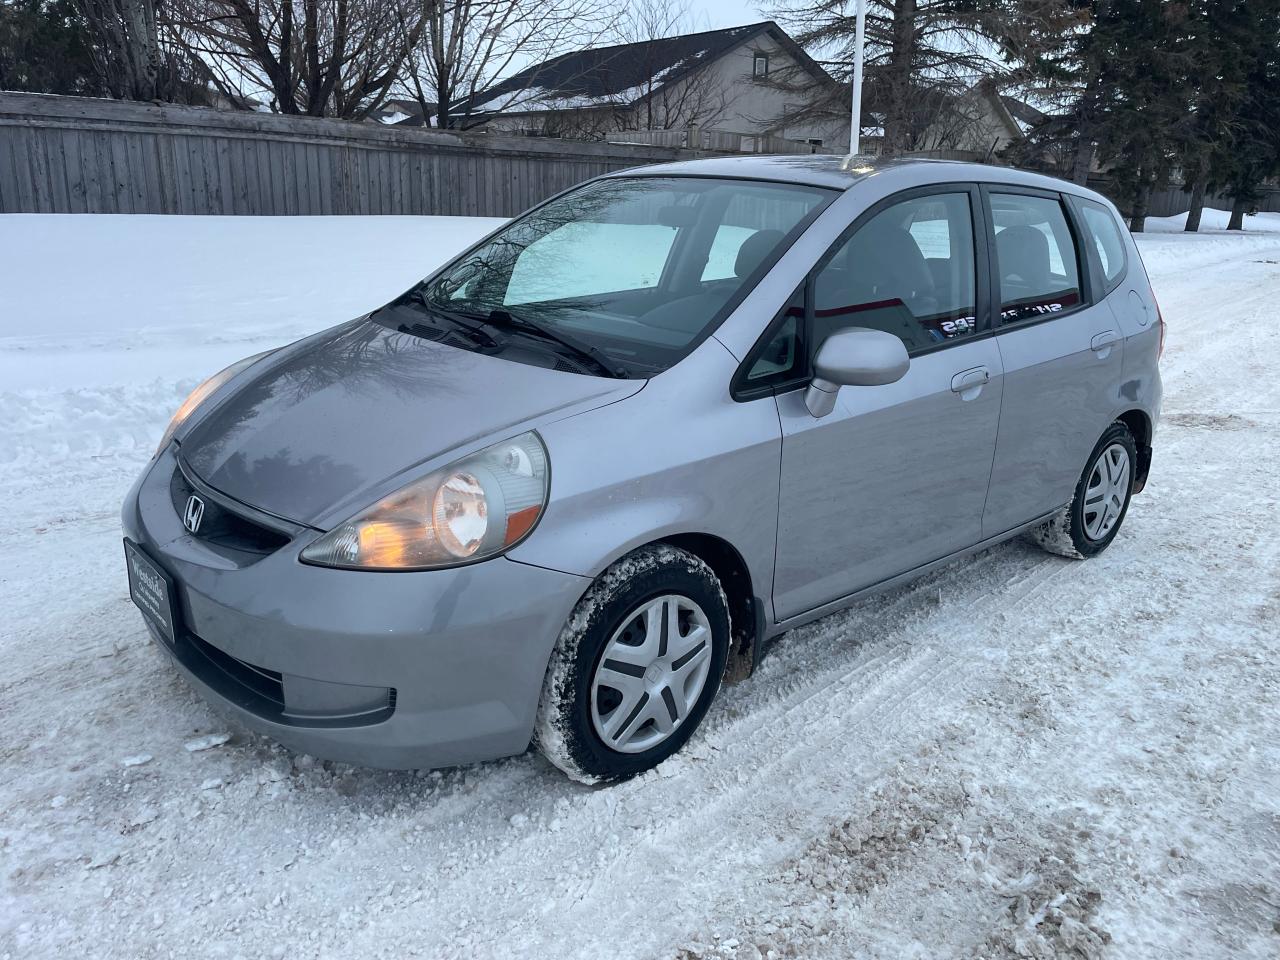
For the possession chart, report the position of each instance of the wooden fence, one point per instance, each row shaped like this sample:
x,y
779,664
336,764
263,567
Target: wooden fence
x,y
80,155
719,141
1173,199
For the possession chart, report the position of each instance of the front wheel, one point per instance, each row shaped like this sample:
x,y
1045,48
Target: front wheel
x,y
1086,526
636,667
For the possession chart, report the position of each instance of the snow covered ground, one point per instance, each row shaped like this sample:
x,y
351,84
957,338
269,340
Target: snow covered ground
x,y
1017,756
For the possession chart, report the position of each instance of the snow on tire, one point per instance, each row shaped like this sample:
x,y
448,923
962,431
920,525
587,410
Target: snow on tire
x,y
1070,532
565,731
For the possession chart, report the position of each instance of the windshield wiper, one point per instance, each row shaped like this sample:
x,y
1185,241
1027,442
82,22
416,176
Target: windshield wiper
x,y
597,357
430,331
478,331
488,332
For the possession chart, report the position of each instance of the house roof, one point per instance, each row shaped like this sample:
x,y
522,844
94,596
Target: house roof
x,y
1024,113
624,73
402,112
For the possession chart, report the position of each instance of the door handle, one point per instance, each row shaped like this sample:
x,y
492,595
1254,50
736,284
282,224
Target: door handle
x,y
1102,343
967,380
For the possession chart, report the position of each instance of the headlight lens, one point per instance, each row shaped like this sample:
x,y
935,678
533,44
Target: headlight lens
x,y
202,393
473,509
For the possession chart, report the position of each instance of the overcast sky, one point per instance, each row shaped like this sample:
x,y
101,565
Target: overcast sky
x,y
724,13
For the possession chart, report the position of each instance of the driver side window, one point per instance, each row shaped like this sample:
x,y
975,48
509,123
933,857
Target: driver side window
x,y
908,271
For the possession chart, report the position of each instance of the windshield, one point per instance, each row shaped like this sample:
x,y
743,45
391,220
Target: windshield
x,y
634,272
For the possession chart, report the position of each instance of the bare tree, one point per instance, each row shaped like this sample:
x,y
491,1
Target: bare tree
x,y
465,45
127,51
335,58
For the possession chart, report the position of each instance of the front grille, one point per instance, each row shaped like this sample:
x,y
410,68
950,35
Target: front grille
x,y
222,526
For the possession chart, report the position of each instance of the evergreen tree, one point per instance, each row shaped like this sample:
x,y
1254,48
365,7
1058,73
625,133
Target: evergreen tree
x,y
1225,41
44,48
1061,73
1144,95
922,56
1155,86
1248,152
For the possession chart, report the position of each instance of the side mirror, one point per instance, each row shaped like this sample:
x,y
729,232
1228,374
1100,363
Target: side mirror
x,y
854,357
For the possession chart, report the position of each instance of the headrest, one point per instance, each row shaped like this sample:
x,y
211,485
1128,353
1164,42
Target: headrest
x,y
890,258
754,250
1023,252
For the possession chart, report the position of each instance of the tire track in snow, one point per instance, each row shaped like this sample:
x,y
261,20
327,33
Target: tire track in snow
x,y
828,722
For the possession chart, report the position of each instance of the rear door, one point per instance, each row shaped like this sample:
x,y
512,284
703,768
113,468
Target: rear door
x,y
1061,353
897,475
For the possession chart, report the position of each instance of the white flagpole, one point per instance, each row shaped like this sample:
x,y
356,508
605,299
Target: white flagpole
x,y
855,127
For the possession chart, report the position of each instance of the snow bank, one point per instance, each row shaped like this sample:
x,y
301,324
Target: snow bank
x,y
1213,220
109,321
1165,248
135,298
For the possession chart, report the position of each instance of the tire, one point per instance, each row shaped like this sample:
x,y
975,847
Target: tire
x,y
661,600
1087,525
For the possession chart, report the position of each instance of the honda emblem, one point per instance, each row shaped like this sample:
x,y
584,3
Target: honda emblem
x,y
194,513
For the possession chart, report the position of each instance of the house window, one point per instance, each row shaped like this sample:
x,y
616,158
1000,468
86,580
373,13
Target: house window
x,y
760,65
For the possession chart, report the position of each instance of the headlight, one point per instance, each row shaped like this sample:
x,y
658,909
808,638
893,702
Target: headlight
x,y
201,393
470,510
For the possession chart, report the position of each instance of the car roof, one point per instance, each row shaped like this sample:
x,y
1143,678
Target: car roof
x,y
841,173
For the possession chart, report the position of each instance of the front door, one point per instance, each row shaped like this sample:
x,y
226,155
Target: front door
x,y
897,475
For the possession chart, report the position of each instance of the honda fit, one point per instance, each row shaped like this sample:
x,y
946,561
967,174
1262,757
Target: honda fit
x,y
559,489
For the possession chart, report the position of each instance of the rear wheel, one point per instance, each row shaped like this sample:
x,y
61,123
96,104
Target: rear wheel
x,y
1086,526
636,667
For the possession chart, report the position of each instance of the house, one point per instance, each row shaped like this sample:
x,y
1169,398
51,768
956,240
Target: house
x,y
975,125
399,111
727,83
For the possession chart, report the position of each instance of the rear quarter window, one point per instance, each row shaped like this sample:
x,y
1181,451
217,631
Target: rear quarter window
x,y
1104,233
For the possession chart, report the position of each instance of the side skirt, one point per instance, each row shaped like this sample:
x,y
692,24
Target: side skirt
x,y
818,612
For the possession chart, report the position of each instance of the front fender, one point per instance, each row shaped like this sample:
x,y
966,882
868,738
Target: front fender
x,y
679,457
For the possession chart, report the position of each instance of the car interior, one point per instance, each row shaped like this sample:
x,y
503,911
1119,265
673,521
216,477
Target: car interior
x,y
1035,257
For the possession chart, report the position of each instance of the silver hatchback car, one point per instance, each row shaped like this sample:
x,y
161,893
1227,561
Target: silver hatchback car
x,y
558,489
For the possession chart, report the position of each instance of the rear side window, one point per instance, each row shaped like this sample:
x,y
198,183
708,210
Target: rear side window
x,y
908,271
1104,233
1035,256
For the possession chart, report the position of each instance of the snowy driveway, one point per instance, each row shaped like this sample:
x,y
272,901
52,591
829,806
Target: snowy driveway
x,y
1018,755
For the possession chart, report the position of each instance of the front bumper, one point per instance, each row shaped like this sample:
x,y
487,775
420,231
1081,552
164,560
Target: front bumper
x,y
392,670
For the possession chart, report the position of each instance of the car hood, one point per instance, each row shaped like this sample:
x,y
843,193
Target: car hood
x,y
304,434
